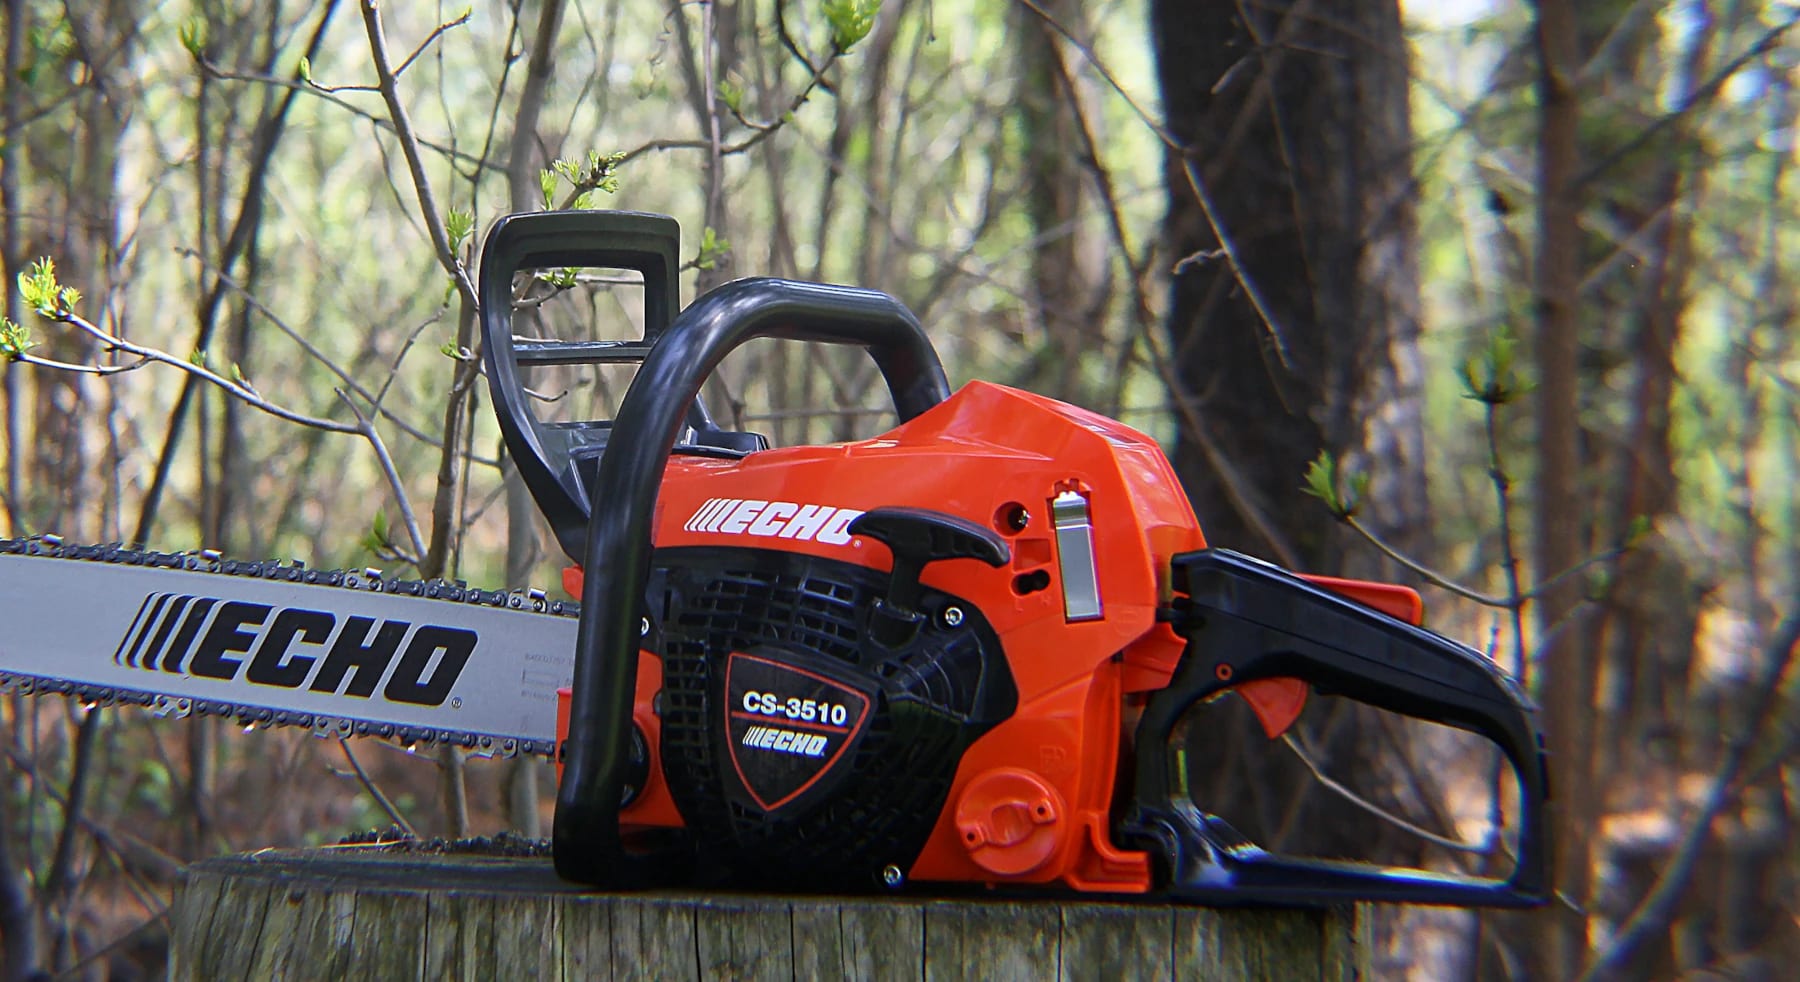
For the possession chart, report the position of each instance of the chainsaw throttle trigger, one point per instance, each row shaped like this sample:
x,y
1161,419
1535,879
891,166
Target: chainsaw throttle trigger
x,y
1245,621
917,537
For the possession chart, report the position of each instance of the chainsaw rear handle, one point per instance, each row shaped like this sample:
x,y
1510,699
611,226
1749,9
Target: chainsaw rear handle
x,y
585,840
554,458
1246,620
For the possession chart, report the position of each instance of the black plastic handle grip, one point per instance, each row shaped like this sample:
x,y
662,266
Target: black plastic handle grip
x,y
1247,620
585,839
545,454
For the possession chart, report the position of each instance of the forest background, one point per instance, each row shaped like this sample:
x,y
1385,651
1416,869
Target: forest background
x,y
1492,298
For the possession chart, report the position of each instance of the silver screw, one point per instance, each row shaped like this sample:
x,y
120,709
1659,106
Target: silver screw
x,y
892,877
953,616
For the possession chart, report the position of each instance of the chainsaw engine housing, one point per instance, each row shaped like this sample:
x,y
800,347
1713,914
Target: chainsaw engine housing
x,y
951,761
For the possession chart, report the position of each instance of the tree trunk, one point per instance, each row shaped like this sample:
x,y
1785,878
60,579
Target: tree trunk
x,y
1560,530
1294,131
1296,126
1066,292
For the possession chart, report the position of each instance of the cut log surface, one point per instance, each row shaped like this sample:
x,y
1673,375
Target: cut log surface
x,y
371,913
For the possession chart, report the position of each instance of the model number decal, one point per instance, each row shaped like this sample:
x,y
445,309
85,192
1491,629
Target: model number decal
x,y
773,519
801,710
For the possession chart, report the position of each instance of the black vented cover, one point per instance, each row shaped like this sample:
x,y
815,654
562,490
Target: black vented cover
x,y
876,803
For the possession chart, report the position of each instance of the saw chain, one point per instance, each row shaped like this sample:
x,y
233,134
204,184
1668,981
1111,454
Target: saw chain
x,y
274,643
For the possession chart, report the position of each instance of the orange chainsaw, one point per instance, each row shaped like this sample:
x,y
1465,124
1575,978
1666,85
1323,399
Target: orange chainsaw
x,y
953,653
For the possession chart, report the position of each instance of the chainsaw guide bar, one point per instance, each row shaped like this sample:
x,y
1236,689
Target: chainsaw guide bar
x,y
269,643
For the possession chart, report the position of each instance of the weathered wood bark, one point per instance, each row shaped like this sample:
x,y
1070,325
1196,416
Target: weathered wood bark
x,y
332,914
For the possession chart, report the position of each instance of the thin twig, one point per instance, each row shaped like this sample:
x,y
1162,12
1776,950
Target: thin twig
x,y
1277,337
240,390
1425,572
374,790
436,33
322,358
409,148
270,128
448,152
142,852
1087,52
367,427
60,882
443,501
1371,807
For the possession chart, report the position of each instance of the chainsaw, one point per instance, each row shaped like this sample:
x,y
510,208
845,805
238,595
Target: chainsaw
x,y
957,653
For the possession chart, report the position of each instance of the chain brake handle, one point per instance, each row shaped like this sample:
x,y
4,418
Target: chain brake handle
x,y
1249,623
620,504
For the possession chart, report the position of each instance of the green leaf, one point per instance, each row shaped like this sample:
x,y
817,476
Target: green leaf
x,y
732,95
850,20
547,183
198,358
193,38
14,339
42,292
306,70
1324,482
713,249
376,540
38,286
562,279
458,224
601,172
1491,375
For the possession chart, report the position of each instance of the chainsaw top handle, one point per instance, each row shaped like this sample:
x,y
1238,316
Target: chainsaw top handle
x,y
585,840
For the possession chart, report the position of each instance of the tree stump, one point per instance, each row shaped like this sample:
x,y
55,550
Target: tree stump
x,y
371,913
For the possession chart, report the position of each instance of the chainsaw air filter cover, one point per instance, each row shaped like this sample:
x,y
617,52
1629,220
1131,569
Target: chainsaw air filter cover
x,y
791,738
